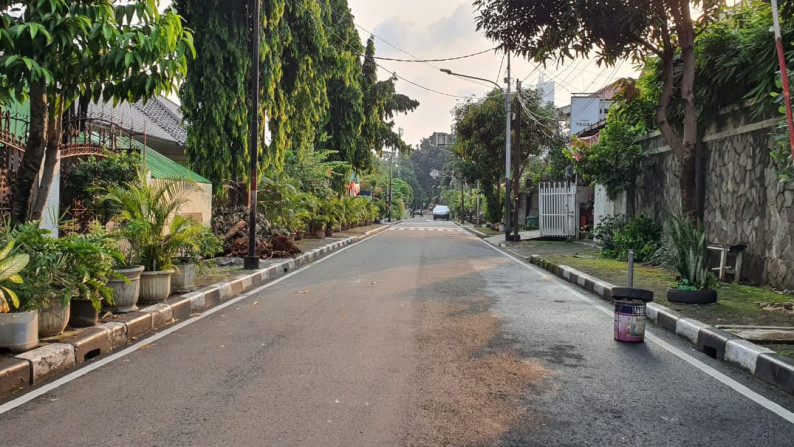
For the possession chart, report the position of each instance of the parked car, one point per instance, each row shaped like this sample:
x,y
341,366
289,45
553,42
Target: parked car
x,y
441,212
418,212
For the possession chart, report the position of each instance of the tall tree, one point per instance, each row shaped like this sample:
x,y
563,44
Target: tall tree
x,y
342,127
479,126
55,51
614,30
216,94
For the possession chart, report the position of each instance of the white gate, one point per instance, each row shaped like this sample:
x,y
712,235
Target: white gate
x,y
558,210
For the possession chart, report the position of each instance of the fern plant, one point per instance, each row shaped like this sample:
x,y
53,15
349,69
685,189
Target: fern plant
x,y
10,266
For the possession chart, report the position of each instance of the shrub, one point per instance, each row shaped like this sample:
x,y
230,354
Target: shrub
x,y
642,234
605,231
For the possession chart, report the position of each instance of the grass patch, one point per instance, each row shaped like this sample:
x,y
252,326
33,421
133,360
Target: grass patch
x,y
736,303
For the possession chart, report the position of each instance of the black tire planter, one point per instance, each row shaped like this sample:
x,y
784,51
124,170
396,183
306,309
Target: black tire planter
x,y
692,296
83,314
630,293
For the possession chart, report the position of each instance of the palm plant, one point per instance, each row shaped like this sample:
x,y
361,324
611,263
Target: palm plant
x,y
149,219
10,266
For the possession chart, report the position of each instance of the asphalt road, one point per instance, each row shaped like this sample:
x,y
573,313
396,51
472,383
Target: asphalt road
x,y
422,335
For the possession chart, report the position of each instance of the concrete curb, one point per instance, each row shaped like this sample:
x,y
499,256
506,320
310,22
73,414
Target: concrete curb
x,y
473,231
19,372
759,361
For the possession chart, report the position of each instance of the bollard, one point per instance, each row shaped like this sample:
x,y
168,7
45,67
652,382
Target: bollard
x,y
631,268
630,313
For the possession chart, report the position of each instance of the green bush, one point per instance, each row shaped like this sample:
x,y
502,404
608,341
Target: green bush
x,y
691,245
642,234
605,231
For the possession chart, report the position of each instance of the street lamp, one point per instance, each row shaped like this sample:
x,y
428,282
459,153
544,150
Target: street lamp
x,y
251,261
507,137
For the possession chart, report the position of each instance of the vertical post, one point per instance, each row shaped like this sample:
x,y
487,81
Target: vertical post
x,y
477,208
507,153
631,268
783,74
252,260
461,201
516,161
391,156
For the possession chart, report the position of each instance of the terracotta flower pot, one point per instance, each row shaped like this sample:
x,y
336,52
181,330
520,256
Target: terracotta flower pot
x,y
155,286
319,233
329,232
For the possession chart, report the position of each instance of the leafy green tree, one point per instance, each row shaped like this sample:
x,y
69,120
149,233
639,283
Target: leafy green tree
x,y
616,30
216,93
53,52
342,126
479,126
614,161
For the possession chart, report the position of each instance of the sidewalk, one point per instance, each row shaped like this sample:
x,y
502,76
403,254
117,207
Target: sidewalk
x,y
757,360
58,355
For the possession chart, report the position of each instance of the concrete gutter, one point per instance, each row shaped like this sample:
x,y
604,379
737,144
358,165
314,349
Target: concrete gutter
x,y
759,361
19,372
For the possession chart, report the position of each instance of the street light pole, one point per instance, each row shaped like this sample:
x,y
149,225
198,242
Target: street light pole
x,y
508,192
251,261
507,136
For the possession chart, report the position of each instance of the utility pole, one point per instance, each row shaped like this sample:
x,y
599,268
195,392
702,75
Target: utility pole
x,y
251,261
517,162
784,75
507,153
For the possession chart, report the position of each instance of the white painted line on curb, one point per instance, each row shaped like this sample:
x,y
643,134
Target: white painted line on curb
x,y
21,400
736,386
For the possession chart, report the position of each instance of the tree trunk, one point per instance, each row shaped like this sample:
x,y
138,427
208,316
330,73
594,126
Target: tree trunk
x,y
50,160
686,155
631,196
34,153
683,146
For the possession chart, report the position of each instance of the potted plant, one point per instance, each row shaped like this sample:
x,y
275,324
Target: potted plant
x,y
149,222
47,286
91,258
19,331
690,248
188,263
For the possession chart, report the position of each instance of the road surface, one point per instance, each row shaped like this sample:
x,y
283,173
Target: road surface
x,y
422,335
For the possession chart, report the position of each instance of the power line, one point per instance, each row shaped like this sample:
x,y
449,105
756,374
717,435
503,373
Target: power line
x,y
381,66
434,60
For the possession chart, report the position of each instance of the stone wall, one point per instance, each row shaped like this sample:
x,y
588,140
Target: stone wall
x,y
745,204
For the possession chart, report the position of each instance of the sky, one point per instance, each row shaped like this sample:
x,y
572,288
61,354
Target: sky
x,y
438,29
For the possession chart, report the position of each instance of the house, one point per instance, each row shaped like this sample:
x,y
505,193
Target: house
x,y
105,127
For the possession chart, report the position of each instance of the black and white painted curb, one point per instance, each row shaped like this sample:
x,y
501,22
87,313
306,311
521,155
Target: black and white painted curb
x,y
21,371
759,361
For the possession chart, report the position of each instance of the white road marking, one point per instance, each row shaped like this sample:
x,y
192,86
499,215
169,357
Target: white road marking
x,y
724,379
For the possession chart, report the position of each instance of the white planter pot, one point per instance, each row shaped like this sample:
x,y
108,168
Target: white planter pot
x,y
155,287
53,318
19,331
183,280
125,296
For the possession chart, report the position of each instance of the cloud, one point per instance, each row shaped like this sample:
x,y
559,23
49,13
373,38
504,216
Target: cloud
x,y
444,37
